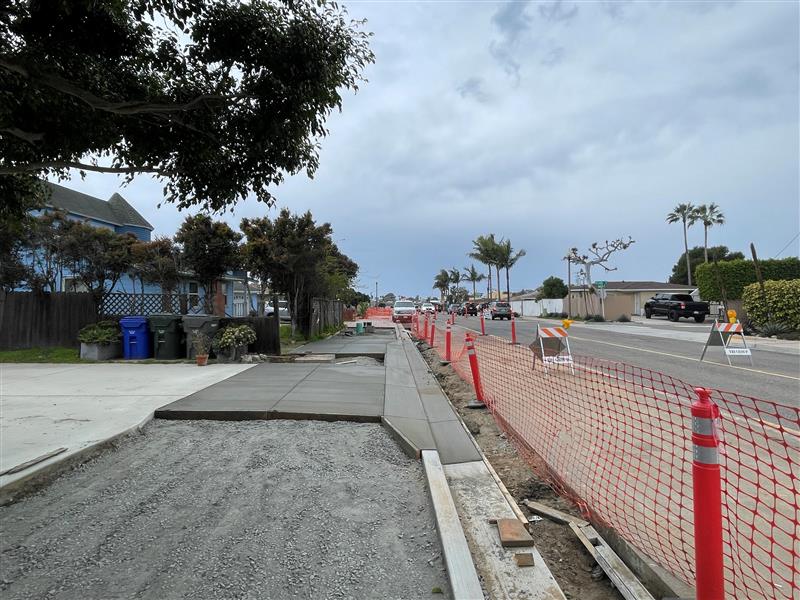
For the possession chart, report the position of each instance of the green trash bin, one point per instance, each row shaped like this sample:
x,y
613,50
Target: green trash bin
x,y
167,336
208,324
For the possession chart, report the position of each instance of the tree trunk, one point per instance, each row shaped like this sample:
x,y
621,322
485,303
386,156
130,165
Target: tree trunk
x,y
686,253
705,241
489,284
499,289
508,287
474,289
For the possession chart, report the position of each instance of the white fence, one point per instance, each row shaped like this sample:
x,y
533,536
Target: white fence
x,y
534,308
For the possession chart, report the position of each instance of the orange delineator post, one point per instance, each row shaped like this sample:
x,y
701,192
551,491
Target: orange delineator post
x,y
447,336
483,325
513,329
710,582
433,331
473,365
425,333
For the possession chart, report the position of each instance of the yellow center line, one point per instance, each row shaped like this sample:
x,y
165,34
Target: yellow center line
x,y
711,362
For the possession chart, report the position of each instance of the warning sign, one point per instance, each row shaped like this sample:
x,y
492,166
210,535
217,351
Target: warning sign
x,y
551,346
722,334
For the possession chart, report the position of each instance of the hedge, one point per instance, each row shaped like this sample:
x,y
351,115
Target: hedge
x,y
783,300
737,274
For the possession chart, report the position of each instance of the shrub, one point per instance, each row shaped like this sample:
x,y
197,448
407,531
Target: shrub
x,y
233,336
103,332
623,319
771,328
782,306
597,318
201,343
738,274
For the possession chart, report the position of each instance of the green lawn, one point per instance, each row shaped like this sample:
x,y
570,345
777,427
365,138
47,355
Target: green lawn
x,y
41,355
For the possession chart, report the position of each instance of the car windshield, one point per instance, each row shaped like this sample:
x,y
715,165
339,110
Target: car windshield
x,y
502,304
682,297
402,304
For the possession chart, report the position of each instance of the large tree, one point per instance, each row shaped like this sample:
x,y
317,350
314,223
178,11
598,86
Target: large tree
x,y
217,98
552,287
506,259
158,262
484,250
709,215
474,276
683,213
209,249
697,256
441,282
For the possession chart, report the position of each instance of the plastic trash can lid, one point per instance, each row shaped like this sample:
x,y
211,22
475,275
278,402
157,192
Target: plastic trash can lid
x,y
132,321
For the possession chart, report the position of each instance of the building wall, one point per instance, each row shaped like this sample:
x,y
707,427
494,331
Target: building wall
x,y
141,233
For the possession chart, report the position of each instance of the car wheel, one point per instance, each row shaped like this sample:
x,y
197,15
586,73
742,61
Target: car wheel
x,y
699,319
673,316
492,317
647,313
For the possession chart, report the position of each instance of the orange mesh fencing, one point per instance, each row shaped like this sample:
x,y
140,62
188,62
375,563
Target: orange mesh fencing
x,y
616,440
378,313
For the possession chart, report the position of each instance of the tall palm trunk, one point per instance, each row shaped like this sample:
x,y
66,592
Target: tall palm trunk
x,y
705,241
686,252
474,290
499,289
489,284
508,287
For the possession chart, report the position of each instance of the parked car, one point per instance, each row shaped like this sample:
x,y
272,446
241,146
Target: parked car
x,y
427,307
283,310
453,308
500,310
403,311
470,308
675,306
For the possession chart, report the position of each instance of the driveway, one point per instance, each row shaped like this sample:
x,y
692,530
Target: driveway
x,y
45,407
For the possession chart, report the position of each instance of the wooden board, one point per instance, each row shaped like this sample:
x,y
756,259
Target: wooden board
x,y
554,514
513,534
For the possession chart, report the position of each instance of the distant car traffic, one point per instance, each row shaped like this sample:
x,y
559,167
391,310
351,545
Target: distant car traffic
x,y
675,306
468,308
403,311
453,308
500,310
427,307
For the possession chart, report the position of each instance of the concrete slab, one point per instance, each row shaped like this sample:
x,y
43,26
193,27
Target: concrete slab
x,y
453,443
416,431
79,406
348,373
401,401
319,409
436,406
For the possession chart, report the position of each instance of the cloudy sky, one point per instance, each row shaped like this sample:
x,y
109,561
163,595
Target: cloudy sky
x,y
554,124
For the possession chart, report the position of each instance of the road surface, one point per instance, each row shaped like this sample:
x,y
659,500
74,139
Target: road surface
x,y
674,349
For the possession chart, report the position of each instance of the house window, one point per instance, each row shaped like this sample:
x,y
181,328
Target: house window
x,y
193,294
73,284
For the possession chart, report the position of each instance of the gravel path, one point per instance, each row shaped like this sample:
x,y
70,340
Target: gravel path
x,y
203,509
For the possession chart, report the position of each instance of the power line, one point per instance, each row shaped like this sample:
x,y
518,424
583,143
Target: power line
x,y
789,244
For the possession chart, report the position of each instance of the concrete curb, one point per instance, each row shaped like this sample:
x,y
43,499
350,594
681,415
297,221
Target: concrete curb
x,y
45,473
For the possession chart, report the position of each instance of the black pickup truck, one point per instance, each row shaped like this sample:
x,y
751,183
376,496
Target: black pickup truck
x,y
675,306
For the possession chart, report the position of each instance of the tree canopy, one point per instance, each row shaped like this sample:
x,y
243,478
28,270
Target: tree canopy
x,y
697,257
552,287
216,98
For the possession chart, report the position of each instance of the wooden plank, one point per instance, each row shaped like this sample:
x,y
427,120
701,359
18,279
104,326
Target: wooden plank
x,y
524,559
587,543
513,533
624,580
457,557
554,514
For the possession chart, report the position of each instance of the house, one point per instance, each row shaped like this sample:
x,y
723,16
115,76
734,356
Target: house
x,y
622,297
129,295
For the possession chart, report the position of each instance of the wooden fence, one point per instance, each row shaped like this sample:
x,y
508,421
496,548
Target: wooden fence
x,y
326,314
29,320
268,339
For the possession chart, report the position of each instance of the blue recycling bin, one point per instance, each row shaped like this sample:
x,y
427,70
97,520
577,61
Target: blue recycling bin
x,y
135,337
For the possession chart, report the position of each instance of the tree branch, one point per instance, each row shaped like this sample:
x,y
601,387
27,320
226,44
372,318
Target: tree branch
x,y
25,136
75,165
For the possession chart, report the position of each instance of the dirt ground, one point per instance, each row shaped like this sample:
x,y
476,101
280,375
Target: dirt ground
x,y
569,562
230,510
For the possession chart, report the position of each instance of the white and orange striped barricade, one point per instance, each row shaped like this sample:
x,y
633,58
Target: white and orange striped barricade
x,y
722,334
551,346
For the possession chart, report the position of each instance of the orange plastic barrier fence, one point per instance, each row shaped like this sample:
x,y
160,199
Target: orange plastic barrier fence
x,y
617,441
378,313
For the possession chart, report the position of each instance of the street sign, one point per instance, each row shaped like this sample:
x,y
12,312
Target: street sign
x,y
600,284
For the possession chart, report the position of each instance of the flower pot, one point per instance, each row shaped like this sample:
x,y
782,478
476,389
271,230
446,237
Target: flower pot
x,y
202,359
101,351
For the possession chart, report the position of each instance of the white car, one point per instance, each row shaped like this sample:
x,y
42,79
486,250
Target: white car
x,y
427,307
403,310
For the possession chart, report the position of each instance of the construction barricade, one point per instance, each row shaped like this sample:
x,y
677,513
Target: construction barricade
x,y
643,453
551,347
722,334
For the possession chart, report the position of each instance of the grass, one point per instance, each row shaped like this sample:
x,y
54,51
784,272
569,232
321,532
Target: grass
x,y
41,355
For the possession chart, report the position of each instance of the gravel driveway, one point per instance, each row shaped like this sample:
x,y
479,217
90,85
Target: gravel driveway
x,y
204,509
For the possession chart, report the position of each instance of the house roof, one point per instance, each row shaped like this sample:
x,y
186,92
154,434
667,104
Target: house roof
x,y
116,211
642,286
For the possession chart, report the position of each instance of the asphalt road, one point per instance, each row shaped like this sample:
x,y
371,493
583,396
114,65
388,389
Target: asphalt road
x,y
674,349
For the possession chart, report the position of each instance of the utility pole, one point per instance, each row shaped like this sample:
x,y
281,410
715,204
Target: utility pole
x,y
569,285
376,294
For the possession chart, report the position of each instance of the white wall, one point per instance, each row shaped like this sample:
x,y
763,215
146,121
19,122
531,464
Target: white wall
x,y
534,308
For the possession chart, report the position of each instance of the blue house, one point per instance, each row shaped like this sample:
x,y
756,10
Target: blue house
x,y
119,216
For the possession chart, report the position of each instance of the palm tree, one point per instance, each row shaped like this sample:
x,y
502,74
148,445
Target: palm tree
x,y
507,259
442,283
484,247
683,213
472,275
709,216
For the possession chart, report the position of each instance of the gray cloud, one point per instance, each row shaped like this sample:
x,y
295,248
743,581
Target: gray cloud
x,y
558,11
473,88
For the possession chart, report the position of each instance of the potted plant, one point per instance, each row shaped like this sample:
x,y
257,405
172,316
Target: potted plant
x,y
201,345
100,341
230,343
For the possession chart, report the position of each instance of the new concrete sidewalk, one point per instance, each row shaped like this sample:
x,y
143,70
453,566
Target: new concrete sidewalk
x,y
45,407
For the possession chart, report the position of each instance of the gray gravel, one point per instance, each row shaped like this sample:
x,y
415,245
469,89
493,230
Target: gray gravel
x,y
203,509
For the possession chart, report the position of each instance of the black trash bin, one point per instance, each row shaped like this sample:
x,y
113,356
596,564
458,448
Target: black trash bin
x,y
192,324
167,336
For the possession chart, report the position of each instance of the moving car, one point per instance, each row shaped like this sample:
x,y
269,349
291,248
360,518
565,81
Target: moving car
x,y
403,311
675,306
468,308
500,310
427,307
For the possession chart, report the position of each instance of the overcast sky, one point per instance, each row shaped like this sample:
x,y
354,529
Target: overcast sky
x,y
554,124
